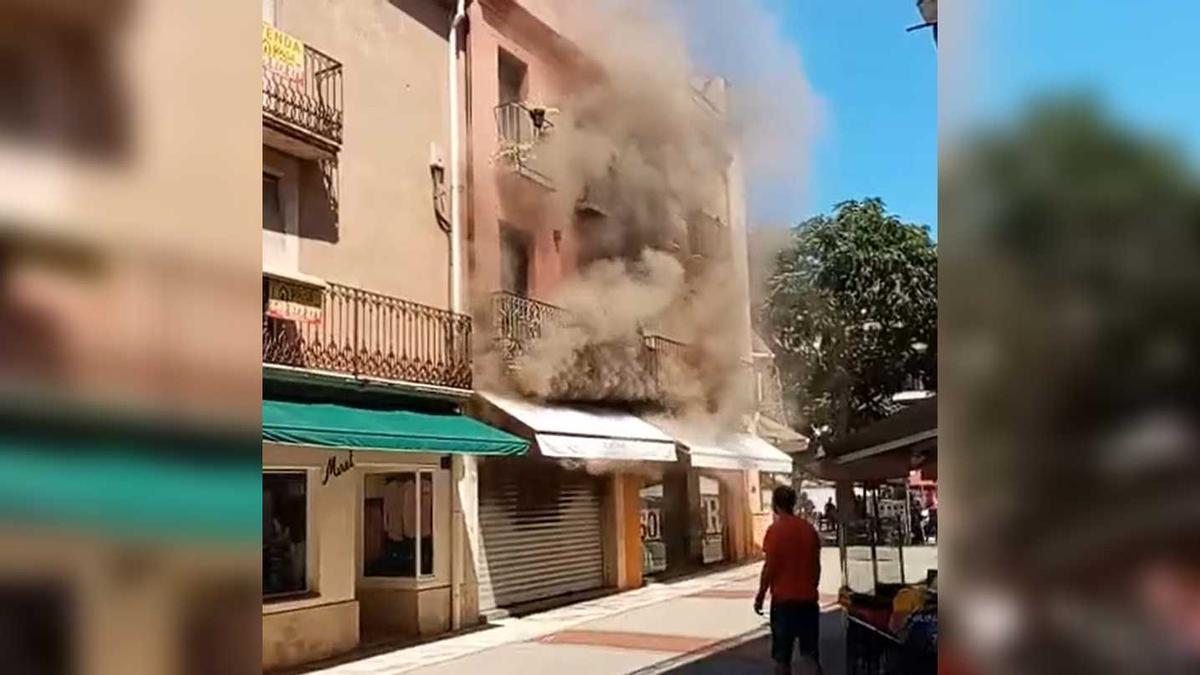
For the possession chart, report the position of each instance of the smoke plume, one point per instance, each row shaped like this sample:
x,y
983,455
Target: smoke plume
x,y
657,311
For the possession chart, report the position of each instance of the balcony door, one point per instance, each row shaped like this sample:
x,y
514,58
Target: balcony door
x,y
280,222
515,261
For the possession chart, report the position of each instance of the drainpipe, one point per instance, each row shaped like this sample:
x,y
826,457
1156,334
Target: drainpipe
x,y
458,470
456,303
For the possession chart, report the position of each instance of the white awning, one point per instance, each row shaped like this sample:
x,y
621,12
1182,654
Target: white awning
x,y
570,432
727,451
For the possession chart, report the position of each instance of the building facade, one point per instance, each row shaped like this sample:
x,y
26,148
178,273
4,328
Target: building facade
x,y
366,368
413,484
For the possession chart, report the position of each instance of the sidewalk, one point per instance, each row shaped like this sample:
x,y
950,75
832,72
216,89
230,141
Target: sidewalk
x,y
641,630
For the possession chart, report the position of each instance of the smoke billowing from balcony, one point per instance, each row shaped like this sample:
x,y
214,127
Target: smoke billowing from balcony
x,y
658,155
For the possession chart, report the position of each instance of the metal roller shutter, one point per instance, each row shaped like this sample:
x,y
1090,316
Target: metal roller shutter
x,y
541,536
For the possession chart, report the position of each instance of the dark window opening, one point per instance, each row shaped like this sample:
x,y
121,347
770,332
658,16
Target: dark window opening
x,y
513,75
514,261
285,533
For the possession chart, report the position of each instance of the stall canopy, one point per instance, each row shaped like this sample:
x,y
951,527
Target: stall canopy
x,y
889,448
577,432
342,426
730,451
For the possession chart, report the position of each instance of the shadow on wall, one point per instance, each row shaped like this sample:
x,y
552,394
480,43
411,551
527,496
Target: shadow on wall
x,y
435,16
318,201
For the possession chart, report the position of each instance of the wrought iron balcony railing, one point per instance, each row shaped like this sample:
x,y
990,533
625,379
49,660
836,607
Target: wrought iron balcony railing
x,y
521,129
518,322
302,87
360,333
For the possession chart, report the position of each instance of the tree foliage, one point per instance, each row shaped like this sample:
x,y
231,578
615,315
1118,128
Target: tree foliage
x,y
852,300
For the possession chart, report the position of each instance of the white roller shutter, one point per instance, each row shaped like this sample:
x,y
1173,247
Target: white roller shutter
x,y
539,547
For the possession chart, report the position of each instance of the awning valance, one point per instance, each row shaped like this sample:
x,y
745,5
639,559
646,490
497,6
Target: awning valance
x,y
728,451
341,426
570,432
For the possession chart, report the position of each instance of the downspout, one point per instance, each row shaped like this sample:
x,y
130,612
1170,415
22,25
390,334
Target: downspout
x,y
456,305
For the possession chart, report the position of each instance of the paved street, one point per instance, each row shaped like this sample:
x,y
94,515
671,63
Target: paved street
x,y
690,627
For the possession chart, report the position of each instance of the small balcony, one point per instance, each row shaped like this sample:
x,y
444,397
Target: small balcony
x,y
521,129
518,322
350,331
302,90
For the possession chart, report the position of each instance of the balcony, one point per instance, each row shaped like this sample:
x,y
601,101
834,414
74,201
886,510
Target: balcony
x,y
521,129
518,322
302,90
354,332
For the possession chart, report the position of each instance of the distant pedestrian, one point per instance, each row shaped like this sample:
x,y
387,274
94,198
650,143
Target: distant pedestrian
x,y
830,514
791,573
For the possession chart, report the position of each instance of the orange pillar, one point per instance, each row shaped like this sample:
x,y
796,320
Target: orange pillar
x,y
629,509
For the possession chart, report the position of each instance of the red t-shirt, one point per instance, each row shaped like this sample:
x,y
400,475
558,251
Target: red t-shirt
x,y
793,551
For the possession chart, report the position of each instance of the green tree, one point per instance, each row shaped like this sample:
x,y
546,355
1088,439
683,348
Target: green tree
x,y
852,311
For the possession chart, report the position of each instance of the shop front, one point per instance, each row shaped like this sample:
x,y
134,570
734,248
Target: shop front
x,y
565,519
707,507
359,537
710,503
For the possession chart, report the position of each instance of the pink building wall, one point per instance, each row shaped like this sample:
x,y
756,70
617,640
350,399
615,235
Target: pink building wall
x,y
496,193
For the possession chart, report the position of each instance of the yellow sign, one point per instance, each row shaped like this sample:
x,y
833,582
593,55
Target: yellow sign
x,y
281,48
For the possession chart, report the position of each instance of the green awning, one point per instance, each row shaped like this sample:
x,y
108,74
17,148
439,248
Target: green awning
x,y
129,488
340,426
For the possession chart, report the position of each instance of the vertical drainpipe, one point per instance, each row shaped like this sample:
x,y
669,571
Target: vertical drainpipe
x,y
458,470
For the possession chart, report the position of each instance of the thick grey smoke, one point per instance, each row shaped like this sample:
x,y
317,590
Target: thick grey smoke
x,y
655,147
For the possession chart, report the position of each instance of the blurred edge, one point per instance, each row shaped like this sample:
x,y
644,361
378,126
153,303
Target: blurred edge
x,y
1070,284
129,337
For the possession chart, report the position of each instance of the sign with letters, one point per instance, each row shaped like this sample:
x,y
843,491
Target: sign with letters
x,y
283,56
334,468
293,301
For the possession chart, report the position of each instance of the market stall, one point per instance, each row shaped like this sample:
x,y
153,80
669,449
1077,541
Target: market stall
x,y
890,627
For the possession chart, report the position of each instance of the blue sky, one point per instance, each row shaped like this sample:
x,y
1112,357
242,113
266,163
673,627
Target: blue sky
x,y
878,85
1139,58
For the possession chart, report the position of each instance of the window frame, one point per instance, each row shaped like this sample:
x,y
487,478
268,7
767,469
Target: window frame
x,y
309,589
418,576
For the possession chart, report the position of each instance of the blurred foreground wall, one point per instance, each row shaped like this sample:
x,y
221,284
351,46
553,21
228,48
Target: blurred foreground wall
x,y
129,378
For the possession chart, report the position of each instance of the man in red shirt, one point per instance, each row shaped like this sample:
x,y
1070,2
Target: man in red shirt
x,y
791,573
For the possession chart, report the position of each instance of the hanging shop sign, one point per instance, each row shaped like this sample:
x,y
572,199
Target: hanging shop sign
x,y
293,301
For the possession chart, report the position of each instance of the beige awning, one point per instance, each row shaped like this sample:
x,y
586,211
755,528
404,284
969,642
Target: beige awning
x,y
576,432
733,451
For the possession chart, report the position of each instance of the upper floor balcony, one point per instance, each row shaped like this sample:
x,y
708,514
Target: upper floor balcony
x,y
350,331
521,129
519,322
302,90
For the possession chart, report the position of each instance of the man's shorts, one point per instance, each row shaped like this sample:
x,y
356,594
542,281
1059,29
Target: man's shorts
x,y
793,622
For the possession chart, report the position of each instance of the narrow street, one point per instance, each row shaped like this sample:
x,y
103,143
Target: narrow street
x,y
699,625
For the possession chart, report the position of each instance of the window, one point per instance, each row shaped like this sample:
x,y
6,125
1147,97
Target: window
x,y
398,524
272,215
285,533
513,74
514,261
